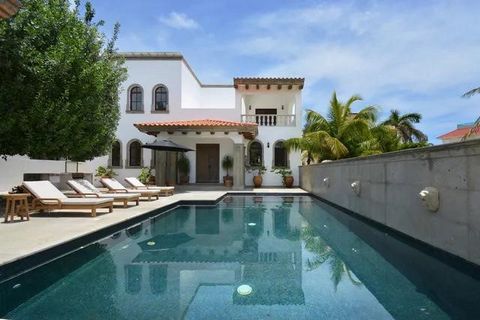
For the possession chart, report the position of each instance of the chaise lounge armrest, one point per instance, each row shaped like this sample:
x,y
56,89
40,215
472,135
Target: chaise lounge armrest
x,y
83,195
118,190
46,201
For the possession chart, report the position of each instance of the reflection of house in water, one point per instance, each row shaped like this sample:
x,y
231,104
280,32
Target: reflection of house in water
x,y
227,245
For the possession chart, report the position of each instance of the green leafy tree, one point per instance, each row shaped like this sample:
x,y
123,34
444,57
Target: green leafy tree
x,y
60,80
405,126
339,134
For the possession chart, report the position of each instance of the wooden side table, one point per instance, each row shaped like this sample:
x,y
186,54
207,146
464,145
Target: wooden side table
x,y
17,205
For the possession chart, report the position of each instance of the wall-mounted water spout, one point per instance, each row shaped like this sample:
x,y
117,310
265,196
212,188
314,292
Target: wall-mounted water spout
x,y
326,182
430,198
355,185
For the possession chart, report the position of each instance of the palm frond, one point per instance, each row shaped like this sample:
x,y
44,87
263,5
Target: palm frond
x,y
472,92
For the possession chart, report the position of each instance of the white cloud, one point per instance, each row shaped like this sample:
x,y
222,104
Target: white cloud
x,y
179,20
419,57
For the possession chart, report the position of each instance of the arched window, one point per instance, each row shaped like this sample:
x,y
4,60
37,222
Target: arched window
x,y
256,153
135,154
136,99
280,156
116,156
160,98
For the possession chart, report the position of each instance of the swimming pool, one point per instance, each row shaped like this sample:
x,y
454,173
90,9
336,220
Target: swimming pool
x,y
296,256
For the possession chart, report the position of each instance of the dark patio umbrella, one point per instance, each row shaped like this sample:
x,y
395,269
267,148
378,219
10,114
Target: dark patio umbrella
x,y
166,145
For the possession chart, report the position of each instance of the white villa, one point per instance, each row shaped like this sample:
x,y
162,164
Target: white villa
x,y
162,98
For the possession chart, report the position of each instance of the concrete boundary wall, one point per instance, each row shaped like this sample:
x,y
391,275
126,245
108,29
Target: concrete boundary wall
x,y
389,192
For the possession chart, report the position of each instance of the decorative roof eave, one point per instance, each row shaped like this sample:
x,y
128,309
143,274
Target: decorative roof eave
x,y
269,82
9,8
247,129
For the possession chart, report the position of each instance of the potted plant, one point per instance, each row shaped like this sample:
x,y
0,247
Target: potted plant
x,y
287,178
183,165
145,175
104,172
227,164
257,178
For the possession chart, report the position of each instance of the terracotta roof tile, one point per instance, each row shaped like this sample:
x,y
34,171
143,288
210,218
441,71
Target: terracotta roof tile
x,y
197,123
457,133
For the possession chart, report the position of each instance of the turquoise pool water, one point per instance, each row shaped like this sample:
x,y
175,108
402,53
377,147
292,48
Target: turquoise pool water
x,y
301,258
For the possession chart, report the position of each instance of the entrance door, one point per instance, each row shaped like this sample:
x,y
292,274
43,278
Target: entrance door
x,y
208,163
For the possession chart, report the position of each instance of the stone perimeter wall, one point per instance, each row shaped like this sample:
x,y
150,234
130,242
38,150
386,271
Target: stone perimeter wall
x,y
389,192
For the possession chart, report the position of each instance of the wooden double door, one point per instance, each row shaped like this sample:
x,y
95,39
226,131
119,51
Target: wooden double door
x,y
207,163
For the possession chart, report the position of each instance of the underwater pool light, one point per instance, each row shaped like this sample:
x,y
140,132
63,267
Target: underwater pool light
x,y
252,224
150,243
244,290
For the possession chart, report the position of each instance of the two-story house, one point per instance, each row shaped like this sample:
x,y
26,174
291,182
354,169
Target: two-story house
x,y
248,119
162,98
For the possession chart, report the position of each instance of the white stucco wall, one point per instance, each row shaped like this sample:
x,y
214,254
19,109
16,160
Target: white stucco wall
x,y
12,170
188,99
191,140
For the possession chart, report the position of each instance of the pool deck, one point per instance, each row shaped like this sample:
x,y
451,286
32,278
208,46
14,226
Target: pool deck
x,y
20,239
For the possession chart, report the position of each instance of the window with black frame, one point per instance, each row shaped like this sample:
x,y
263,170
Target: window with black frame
x,y
161,98
135,151
116,154
136,99
256,154
280,159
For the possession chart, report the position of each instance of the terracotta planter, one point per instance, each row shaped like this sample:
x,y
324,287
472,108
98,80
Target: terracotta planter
x,y
257,181
151,180
184,179
288,181
228,181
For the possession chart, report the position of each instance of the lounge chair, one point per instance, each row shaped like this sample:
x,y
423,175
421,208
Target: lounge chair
x,y
137,185
115,186
48,197
81,188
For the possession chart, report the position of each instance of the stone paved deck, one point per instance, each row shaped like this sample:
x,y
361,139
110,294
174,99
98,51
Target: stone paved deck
x,y
20,239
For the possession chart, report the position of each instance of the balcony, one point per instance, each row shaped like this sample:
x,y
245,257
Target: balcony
x,y
270,120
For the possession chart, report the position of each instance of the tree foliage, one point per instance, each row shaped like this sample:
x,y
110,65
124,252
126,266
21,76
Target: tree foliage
x,y
60,80
404,125
344,133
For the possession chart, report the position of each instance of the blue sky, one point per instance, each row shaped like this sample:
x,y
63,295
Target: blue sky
x,y
416,56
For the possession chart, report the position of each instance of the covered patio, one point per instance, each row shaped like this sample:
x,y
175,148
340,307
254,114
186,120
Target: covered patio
x,y
211,140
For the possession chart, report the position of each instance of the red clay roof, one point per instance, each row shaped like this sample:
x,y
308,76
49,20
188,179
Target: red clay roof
x,y
457,133
197,123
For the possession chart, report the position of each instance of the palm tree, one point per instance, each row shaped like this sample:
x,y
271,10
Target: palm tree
x,y
404,125
476,125
339,134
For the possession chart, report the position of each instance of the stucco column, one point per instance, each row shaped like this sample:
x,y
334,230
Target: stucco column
x,y
238,166
160,168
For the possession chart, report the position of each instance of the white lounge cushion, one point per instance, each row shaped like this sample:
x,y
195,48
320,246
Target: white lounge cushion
x,y
112,184
43,189
79,187
87,184
134,182
85,201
